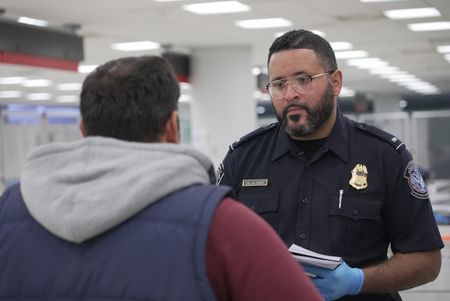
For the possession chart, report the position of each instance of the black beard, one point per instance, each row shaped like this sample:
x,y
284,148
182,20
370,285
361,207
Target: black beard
x,y
315,117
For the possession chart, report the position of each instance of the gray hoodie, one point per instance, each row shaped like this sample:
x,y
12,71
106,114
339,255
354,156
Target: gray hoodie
x,y
77,190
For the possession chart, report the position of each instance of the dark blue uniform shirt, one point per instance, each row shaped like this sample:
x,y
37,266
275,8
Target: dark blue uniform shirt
x,y
357,194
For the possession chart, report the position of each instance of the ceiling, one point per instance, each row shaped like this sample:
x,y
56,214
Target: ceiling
x,y
104,22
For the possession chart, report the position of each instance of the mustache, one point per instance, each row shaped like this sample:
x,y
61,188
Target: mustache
x,y
296,105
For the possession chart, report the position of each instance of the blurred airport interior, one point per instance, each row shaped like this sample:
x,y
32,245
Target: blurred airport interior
x,y
394,54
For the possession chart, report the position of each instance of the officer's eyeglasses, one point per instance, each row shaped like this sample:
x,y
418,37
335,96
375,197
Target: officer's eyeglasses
x,y
300,83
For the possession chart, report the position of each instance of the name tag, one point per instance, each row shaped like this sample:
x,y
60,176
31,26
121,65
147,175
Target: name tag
x,y
254,182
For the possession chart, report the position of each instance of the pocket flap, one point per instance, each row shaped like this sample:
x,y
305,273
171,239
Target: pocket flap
x,y
357,208
260,203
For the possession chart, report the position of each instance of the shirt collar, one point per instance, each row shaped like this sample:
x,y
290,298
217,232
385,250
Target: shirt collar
x,y
337,142
281,143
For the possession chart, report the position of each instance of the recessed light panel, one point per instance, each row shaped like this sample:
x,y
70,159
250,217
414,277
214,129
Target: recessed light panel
x,y
263,23
440,49
430,26
86,68
14,80
136,46
351,54
32,21
221,7
10,94
338,46
35,83
412,13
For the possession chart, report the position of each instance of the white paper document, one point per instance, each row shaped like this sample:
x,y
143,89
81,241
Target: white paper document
x,y
316,259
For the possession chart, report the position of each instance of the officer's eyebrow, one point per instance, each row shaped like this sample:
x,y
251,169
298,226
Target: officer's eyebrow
x,y
295,74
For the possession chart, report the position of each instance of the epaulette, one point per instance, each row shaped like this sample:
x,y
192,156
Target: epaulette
x,y
252,135
385,136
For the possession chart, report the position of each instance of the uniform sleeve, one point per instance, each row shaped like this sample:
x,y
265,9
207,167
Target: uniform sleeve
x,y
247,261
225,175
410,220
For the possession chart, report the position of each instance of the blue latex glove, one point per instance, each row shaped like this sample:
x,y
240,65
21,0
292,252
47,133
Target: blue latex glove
x,y
336,283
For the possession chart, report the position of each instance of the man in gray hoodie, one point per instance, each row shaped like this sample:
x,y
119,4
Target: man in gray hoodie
x,y
127,213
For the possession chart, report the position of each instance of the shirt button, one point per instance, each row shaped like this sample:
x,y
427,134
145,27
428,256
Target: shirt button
x,y
355,212
302,236
305,201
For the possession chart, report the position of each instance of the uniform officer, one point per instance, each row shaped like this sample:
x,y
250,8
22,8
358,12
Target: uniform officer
x,y
333,185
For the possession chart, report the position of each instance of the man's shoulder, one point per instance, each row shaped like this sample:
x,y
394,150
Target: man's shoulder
x,y
12,191
380,135
254,136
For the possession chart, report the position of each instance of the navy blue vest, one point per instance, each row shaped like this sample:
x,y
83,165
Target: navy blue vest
x,y
159,254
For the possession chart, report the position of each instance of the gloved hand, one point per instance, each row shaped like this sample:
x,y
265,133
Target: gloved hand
x,y
336,283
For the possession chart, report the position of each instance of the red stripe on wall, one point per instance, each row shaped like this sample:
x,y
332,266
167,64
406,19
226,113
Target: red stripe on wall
x,y
183,78
37,61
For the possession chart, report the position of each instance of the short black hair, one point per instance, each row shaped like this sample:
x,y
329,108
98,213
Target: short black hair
x,y
129,98
305,39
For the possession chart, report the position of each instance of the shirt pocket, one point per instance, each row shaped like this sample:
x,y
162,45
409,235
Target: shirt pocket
x,y
265,204
355,224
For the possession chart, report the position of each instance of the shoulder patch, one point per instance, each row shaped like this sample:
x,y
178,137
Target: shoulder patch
x,y
251,135
379,133
415,181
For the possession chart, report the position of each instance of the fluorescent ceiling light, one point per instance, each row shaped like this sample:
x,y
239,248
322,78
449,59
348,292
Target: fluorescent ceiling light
x,y
440,49
337,46
263,23
69,87
10,94
67,98
136,46
16,80
420,85
86,68
367,63
429,92
185,86
386,70
406,80
351,54
412,13
167,0
347,92
429,26
256,71
400,77
221,7
34,83
32,21
185,98
38,96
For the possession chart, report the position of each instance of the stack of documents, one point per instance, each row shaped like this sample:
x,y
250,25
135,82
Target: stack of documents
x,y
315,259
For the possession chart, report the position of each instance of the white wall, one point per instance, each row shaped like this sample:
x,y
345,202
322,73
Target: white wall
x,y
223,107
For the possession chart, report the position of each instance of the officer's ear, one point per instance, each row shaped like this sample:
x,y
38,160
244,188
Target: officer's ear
x,y
336,80
172,129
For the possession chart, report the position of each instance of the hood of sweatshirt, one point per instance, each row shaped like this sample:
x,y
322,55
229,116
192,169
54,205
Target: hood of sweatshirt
x,y
78,190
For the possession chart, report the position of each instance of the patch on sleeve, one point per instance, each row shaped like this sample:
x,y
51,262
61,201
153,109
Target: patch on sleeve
x,y
220,172
415,181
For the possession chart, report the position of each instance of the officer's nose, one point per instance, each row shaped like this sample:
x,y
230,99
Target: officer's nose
x,y
290,93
